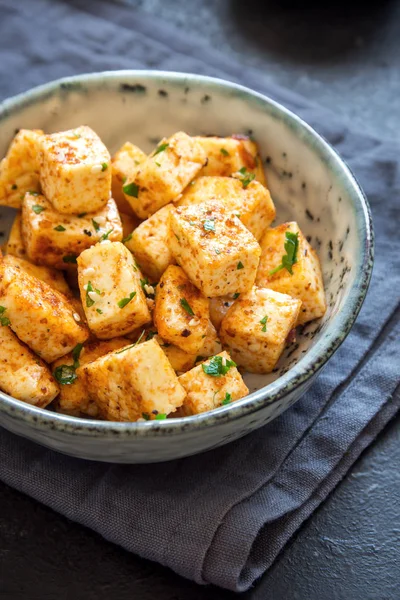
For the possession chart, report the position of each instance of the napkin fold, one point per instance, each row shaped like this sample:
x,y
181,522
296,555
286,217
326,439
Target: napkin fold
x,y
223,516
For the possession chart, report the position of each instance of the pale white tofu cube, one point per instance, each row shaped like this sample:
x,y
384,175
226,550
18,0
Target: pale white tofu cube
x,y
252,203
124,163
124,386
56,240
23,374
228,155
214,383
110,289
256,327
74,395
164,174
15,244
75,170
39,315
19,170
181,313
149,244
218,253
305,282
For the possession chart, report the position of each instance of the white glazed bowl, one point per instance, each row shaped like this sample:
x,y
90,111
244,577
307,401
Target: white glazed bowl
x,y
309,183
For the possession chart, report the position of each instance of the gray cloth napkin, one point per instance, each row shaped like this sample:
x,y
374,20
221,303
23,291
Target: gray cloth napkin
x,y
223,516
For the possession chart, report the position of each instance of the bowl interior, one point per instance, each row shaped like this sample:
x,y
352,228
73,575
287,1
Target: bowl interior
x,y
306,179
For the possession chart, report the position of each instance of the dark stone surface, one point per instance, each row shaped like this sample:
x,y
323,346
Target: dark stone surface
x,y
346,58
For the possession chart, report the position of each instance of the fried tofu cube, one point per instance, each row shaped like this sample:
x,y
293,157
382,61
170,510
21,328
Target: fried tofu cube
x,y
124,163
75,170
228,155
256,327
23,374
149,244
124,386
218,253
251,203
55,279
180,360
205,391
15,245
74,397
40,316
305,283
164,174
19,170
55,239
110,289
181,313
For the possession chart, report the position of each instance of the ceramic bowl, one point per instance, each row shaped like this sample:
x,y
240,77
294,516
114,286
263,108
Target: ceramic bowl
x,y
309,182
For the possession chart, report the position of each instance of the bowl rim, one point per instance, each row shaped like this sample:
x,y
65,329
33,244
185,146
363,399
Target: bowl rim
x,y
308,365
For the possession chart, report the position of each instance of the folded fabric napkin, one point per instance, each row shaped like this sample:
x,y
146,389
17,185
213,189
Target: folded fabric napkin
x,y
223,516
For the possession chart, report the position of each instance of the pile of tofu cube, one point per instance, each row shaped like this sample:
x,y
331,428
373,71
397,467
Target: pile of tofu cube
x,y
140,287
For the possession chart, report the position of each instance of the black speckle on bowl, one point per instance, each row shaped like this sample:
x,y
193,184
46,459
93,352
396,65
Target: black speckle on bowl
x,y
268,160
309,215
163,93
206,98
136,88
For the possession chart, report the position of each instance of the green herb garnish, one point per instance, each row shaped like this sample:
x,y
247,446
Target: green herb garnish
x,y
209,224
161,148
4,321
95,225
66,374
37,208
236,295
89,300
247,177
105,235
146,416
127,239
224,152
132,345
186,306
125,301
216,368
240,265
264,323
227,399
81,215
290,258
131,189
104,166
59,228
150,335
70,258
161,416
98,310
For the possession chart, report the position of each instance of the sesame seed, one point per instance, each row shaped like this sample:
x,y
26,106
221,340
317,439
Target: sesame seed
x,y
193,322
92,295
87,272
76,317
96,168
223,361
85,287
101,220
149,289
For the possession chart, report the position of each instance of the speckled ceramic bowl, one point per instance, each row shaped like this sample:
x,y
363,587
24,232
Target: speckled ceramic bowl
x,y
309,183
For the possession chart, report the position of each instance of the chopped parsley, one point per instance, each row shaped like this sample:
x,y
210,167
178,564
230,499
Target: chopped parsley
x,y
146,416
216,368
98,310
59,228
131,189
4,321
158,164
236,295
76,135
132,345
161,416
95,225
240,265
125,301
104,166
37,208
66,374
150,335
264,323
227,399
81,215
89,300
161,148
186,306
209,224
70,258
127,238
246,177
224,152
105,235
290,258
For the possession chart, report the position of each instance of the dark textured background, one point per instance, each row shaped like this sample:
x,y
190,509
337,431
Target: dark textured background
x,y
346,58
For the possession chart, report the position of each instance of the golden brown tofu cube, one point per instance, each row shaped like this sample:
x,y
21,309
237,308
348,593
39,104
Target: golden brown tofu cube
x,y
40,316
305,282
164,174
181,313
256,327
55,279
124,386
19,170
149,244
111,293
251,203
214,383
15,245
75,170
228,155
74,396
218,253
23,374
124,163
56,240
